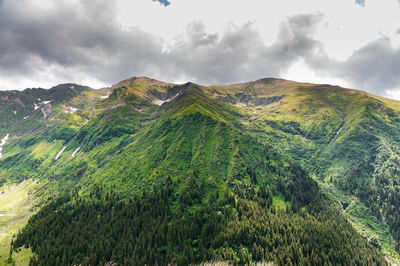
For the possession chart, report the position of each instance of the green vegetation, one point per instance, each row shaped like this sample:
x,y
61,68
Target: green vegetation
x,y
251,141
17,204
164,226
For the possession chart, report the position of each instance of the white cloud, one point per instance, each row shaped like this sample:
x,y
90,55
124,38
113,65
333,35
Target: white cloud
x,y
300,72
346,28
394,94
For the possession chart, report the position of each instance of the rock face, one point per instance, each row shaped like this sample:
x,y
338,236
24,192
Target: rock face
x,y
17,106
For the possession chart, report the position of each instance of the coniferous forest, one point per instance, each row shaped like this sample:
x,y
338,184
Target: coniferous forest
x,y
163,227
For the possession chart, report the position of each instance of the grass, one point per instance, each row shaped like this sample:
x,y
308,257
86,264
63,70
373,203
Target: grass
x,y
367,226
279,202
17,203
361,219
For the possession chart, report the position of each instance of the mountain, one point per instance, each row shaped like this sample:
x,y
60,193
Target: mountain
x,y
348,140
271,170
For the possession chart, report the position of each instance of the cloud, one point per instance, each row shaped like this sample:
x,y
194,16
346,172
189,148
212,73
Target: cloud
x,y
70,39
373,68
239,53
163,2
75,42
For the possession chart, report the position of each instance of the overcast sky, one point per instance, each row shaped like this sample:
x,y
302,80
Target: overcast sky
x,y
352,43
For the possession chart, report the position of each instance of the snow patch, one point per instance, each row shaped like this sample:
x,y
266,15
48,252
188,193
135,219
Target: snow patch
x,y
118,105
25,117
240,105
2,143
59,153
15,112
71,110
104,97
160,102
73,88
337,133
75,151
41,105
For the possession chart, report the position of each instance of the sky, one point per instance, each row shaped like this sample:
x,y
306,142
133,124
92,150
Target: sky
x,y
351,43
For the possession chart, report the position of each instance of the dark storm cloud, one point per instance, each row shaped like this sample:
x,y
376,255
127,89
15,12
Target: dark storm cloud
x,y
78,38
239,53
71,37
374,67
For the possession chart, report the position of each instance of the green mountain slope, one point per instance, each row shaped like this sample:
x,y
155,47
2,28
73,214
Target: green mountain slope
x,y
347,139
220,172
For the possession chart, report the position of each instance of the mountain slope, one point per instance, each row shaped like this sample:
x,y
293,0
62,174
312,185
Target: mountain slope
x,y
243,151
345,138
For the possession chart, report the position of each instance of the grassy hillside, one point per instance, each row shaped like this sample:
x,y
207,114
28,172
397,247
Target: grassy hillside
x,y
17,204
343,137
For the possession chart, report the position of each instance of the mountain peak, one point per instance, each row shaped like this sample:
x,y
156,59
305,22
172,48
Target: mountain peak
x,y
143,81
268,80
